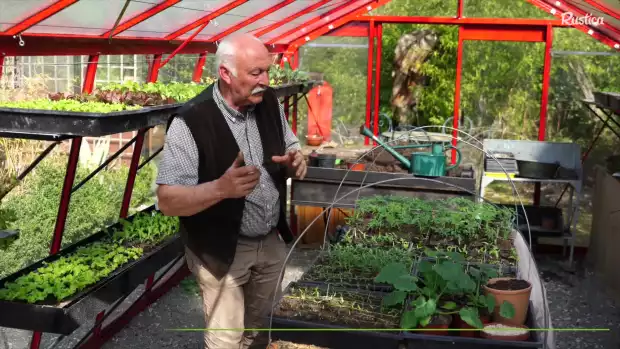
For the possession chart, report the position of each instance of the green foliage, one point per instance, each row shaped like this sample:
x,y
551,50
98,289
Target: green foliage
x,y
178,91
92,208
89,264
69,275
436,287
286,75
68,105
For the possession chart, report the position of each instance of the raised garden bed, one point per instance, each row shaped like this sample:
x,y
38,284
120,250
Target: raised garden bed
x,y
113,109
336,318
448,280
320,186
48,295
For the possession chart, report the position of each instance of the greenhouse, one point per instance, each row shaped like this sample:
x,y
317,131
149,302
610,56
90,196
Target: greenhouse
x,y
460,186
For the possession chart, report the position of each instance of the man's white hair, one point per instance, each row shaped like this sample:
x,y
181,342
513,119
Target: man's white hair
x,y
225,54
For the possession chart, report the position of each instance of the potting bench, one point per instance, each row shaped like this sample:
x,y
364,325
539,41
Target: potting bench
x,y
570,173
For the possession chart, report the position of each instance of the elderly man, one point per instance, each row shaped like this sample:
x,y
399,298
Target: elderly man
x,y
227,156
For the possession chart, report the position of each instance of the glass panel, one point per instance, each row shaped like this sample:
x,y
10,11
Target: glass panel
x,y
89,17
236,16
418,8
174,18
326,20
15,11
580,66
277,16
503,9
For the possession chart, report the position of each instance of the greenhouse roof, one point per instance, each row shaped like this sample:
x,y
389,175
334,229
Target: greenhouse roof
x,y
205,22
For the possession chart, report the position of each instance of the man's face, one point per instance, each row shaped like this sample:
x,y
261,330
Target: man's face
x,y
252,76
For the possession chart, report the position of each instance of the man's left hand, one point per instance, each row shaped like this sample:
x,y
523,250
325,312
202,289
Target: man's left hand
x,y
294,160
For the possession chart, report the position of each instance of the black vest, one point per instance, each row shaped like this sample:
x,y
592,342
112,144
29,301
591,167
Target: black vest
x,y
212,234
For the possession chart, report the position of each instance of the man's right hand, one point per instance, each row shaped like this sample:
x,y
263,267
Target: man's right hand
x,y
238,181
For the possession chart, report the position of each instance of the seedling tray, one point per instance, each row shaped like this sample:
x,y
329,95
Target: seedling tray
x,y
55,124
329,335
66,317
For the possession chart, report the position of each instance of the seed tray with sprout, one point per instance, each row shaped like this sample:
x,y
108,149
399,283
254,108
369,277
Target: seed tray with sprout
x,y
335,318
355,266
479,231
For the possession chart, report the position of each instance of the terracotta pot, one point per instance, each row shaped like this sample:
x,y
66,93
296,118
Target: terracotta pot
x,y
520,300
314,140
356,167
441,322
505,335
459,323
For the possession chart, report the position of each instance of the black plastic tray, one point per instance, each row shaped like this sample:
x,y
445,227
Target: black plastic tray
x,y
330,336
58,124
67,316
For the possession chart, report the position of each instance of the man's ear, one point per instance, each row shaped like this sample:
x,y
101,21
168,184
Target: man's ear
x,y
225,74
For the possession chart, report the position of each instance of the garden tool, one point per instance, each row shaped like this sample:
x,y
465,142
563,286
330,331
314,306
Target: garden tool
x,y
426,164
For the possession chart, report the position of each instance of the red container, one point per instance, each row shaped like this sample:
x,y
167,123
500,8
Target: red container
x,y
356,167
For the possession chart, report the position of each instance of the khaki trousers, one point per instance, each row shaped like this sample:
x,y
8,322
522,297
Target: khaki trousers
x,y
242,299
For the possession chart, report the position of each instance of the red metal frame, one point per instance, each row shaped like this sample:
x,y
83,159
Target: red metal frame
x,y
354,22
325,15
369,76
141,17
200,65
185,43
206,19
604,8
1,65
39,17
379,48
251,20
292,17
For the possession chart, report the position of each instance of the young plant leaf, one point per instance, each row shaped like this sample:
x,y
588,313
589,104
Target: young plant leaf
x,y
471,317
449,305
489,300
391,273
394,298
406,283
409,320
507,310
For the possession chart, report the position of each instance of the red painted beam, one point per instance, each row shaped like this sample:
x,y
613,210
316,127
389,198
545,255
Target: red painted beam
x,y
604,8
91,73
185,43
351,30
141,17
343,5
354,13
63,46
575,10
504,33
39,17
525,22
1,65
250,20
290,18
206,19
200,66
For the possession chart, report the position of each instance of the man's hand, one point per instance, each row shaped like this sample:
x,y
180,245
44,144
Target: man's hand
x,y
238,181
294,160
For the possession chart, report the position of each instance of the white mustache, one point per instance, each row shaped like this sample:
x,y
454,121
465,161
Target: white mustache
x,y
258,90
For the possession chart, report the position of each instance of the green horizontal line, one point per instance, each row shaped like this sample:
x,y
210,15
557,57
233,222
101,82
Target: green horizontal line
x,y
387,329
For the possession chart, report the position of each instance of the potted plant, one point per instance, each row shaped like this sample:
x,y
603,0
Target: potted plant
x,y
513,291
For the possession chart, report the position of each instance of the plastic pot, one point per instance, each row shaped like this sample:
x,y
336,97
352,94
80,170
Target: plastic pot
x,y
519,298
505,334
314,140
313,159
326,160
460,324
351,165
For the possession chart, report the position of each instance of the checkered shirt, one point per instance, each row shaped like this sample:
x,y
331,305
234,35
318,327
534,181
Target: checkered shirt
x,y
179,163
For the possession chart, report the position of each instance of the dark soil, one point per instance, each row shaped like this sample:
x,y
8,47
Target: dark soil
x,y
509,285
338,308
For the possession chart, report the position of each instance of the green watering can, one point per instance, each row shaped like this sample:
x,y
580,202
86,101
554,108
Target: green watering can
x,y
431,164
